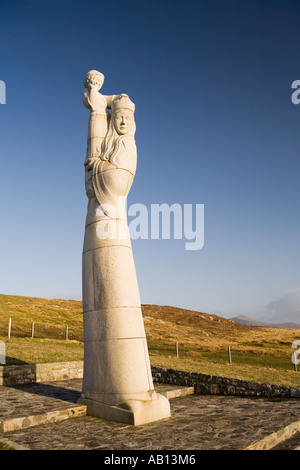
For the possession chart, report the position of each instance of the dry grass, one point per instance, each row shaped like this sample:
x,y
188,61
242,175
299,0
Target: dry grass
x,y
211,332
50,317
260,354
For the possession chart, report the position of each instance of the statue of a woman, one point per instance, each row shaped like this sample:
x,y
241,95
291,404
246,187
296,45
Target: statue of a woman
x,y
117,380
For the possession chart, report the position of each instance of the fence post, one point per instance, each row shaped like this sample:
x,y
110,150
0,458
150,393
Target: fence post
x,y
67,331
32,329
229,355
9,327
176,346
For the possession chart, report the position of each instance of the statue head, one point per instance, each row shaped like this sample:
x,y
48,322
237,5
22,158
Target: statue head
x,y
93,78
123,115
121,127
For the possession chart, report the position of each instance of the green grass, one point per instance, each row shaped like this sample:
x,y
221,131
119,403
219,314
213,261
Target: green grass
x,y
41,350
5,447
245,365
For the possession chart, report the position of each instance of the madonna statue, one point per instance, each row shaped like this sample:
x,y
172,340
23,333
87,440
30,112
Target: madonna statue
x,y
117,380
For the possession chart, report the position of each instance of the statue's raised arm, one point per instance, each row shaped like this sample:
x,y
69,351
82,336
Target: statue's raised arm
x,y
98,104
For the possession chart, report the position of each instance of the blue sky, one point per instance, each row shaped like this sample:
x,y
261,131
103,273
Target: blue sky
x,y
211,81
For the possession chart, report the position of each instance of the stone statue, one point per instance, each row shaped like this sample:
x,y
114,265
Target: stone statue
x,y
117,380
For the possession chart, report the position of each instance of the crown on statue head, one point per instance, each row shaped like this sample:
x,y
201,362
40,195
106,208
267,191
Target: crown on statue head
x,y
121,102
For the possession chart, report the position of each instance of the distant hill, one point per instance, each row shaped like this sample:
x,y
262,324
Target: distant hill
x,y
244,320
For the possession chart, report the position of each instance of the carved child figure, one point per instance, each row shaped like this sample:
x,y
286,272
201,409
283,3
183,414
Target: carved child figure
x,y
99,116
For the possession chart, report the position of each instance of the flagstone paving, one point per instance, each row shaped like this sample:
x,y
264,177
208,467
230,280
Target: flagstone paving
x,y
197,422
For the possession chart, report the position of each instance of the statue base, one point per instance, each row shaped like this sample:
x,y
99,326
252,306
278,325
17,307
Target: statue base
x,y
135,412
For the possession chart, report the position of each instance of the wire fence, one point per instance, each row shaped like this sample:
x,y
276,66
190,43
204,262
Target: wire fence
x,y
73,332
41,330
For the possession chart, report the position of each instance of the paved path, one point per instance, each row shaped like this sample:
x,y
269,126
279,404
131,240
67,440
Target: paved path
x,y
198,422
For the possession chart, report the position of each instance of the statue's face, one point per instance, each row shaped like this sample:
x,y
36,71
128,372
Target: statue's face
x,y
123,121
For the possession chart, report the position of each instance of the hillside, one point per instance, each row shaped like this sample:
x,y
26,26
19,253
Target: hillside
x,y
167,323
258,352
211,332
51,315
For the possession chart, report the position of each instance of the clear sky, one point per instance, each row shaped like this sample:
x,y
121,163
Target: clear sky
x,y
211,81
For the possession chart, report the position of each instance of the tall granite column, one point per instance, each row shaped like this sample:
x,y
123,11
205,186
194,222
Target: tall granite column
x,y
117,380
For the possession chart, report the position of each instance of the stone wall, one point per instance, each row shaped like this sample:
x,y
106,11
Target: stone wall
x,y
15,375
214,385
203,384
31,373
59,371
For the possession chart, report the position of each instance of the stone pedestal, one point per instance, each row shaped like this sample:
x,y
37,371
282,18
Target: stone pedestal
x,y
135,412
